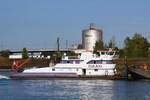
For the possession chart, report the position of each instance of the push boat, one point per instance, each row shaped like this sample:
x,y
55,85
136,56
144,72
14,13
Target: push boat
x,y
87,65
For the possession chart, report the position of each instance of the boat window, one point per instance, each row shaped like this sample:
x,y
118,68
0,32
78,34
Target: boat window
x,y
98,62
91,62
110,53
63,62
77,62
95,62
107,61
95,70
71,62
53,69
102,53
66,62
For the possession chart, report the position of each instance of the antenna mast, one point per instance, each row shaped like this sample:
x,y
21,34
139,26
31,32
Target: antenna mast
x,y
58,43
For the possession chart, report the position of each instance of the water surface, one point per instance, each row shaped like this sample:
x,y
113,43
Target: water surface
x,y
73,90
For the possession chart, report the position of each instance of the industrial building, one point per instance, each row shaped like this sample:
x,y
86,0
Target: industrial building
x,y
90,36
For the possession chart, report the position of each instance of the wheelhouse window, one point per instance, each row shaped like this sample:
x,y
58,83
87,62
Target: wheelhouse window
x,y
102,53
110,53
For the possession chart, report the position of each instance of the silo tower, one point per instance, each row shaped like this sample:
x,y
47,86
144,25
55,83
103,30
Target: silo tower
x,y
90,36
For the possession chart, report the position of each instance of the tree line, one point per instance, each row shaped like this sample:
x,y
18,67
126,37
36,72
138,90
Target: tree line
x,y
135,47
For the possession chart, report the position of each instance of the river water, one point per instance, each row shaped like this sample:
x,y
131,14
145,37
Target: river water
x,y
73,89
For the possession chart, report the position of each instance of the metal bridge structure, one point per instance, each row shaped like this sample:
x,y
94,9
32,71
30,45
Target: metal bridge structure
x,y
41,50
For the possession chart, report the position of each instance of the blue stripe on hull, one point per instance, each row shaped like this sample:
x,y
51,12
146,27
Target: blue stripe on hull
x,y
44,75
53,74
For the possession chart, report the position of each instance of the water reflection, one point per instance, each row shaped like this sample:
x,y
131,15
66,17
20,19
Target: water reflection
x,y
95,89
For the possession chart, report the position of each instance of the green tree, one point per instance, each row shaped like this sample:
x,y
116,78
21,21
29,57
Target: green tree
x,y
137,46
24,53
99,45
5,53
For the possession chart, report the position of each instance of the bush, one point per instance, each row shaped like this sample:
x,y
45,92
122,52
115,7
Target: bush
x,y
5,53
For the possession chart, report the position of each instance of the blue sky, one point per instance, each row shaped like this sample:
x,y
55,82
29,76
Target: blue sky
x,y
37,23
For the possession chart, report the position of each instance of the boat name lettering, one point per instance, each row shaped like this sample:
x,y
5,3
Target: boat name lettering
x,y
94,65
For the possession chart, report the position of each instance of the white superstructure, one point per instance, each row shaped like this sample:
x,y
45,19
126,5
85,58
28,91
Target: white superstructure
x,y
86,64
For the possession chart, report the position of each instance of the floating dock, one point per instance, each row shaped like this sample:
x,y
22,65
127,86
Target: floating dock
x,y
138,73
